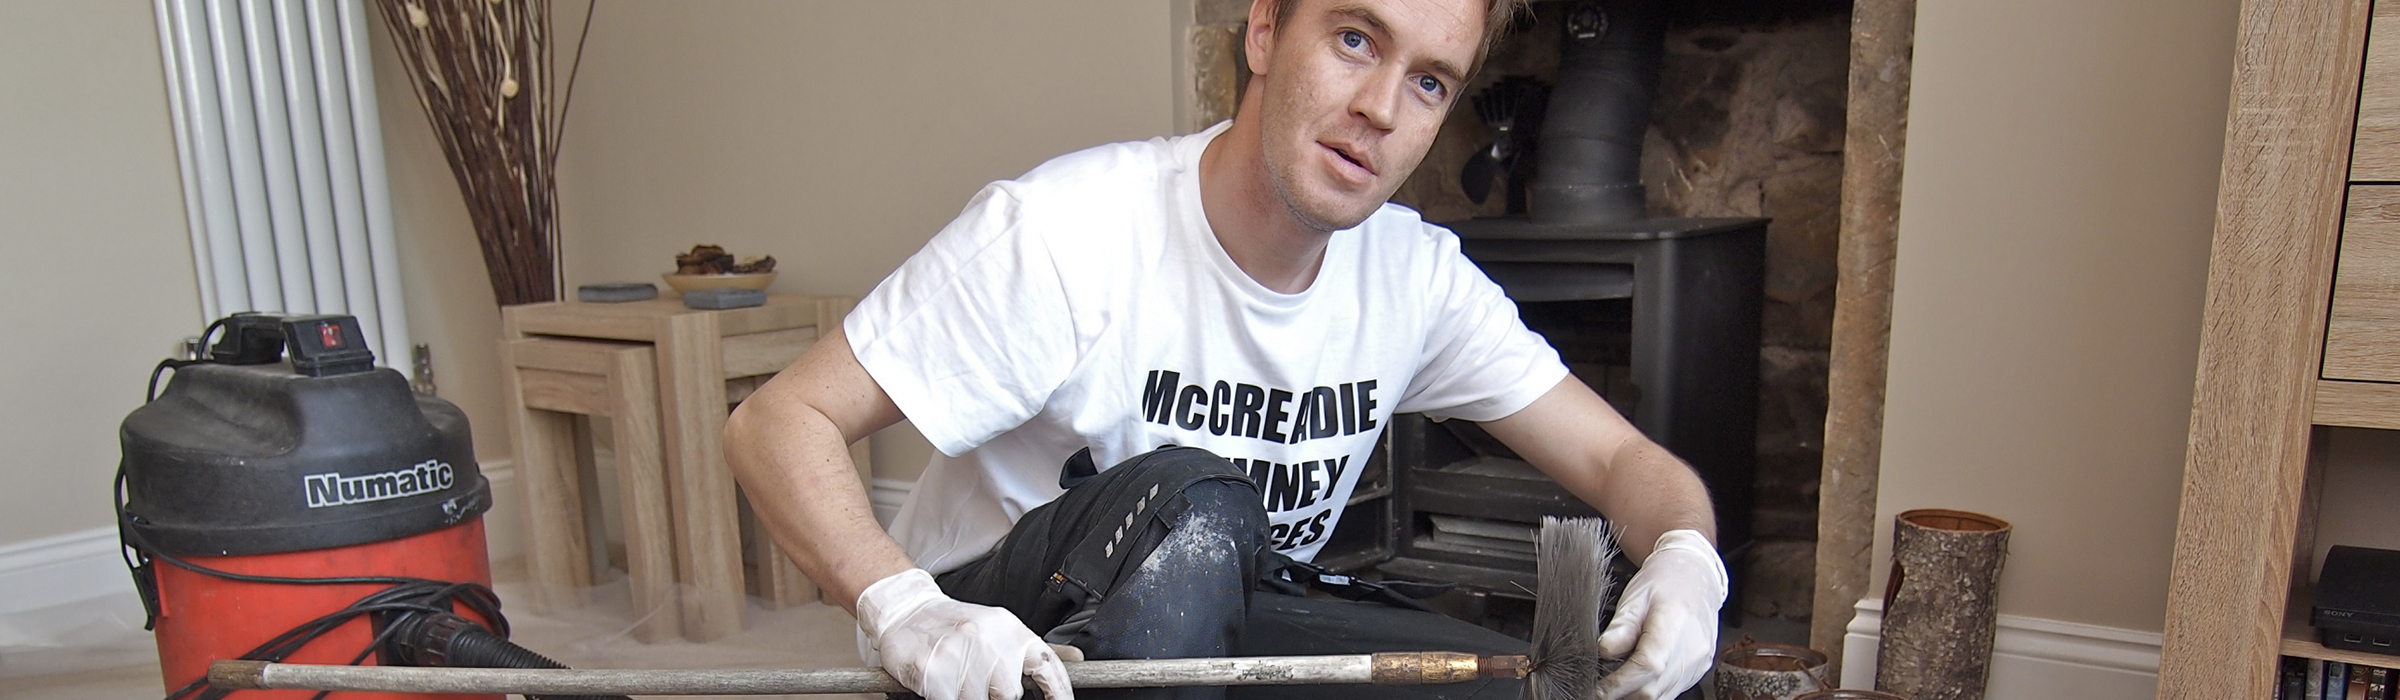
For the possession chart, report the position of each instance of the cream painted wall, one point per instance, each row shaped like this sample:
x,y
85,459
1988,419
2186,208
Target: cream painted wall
x,y
836,136
98,284
90,179
2054,232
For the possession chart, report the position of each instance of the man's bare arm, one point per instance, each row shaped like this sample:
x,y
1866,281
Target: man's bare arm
x,y
788,445
1574,436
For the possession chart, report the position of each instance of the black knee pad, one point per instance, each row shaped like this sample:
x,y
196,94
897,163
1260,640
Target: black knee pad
x,y
1165,563
1159,491
1227,507
1186,501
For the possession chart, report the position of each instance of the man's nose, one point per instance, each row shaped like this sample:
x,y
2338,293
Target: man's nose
x,y
1378,100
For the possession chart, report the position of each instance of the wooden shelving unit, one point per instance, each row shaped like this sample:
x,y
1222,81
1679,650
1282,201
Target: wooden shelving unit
x,y
2301,333
2357,404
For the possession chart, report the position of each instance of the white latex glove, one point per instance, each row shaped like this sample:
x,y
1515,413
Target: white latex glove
x,y
948,650
1667,620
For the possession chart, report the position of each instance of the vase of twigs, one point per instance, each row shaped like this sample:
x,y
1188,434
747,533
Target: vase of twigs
x,y
482,71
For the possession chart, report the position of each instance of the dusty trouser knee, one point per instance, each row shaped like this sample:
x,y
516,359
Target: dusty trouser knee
x,y
1179,591
1151,558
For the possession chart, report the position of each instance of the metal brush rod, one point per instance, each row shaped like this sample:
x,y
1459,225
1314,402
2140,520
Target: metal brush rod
x,y
1390,668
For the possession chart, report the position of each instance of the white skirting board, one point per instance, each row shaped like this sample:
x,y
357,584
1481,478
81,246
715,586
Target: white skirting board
x,y
71,588
56,591
2032,658
502,528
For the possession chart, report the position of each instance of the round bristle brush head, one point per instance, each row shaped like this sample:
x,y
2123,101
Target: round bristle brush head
x,y
1572,568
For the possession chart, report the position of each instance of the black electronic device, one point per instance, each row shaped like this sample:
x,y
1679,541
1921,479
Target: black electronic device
x,y
2358,600
616,292
723,298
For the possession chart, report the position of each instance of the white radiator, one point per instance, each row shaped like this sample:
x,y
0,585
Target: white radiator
x,y
282,154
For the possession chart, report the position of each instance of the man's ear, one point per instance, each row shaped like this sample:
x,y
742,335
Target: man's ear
x,y
1258,37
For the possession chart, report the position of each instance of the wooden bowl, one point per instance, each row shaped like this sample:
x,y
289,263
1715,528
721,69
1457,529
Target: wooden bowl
x,y
688,283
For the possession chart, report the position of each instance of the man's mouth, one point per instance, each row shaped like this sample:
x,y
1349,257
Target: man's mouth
x,y
1350,157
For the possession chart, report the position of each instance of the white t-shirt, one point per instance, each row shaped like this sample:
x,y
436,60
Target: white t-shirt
x,y
1088,304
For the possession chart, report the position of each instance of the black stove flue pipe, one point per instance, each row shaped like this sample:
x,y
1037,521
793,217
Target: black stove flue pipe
x,y
1589,167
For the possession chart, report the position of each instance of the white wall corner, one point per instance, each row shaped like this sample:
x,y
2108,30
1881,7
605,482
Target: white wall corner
x,y
503,530
1184,79
2032,658
887,495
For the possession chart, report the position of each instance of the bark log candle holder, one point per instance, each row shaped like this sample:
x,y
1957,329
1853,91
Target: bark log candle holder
x,y
1939,608
1845,694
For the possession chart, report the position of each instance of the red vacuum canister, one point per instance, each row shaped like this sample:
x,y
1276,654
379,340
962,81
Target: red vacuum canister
x,y
308,509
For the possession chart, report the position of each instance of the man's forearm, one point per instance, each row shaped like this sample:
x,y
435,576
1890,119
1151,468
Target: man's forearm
x,y
797,473
801,482
1587,447
793,461
1650,492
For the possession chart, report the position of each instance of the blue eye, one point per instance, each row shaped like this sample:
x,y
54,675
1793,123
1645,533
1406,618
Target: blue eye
x,y
1353,39
1430,85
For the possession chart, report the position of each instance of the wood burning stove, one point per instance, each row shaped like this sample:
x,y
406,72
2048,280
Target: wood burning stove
x,y
1660,316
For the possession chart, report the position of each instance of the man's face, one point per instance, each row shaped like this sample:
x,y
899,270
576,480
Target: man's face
x,y
1353,93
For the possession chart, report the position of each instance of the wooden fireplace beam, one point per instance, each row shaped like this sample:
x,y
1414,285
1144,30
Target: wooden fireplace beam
x,y
1882,36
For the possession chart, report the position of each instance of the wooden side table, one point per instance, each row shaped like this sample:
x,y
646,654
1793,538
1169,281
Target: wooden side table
x,y
697,351
551,381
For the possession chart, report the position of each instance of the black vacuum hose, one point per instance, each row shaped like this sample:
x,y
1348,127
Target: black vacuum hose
x,y
450,640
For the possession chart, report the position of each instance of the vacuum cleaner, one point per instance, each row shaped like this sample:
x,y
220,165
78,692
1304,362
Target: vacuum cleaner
x,y
284,499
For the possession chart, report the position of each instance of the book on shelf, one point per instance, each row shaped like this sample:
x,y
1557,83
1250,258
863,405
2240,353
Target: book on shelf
x,y
2300,678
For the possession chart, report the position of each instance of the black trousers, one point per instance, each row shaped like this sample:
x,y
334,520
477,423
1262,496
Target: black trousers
x,y
1156,558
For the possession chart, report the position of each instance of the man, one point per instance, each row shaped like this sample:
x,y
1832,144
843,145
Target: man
x,y
1245,292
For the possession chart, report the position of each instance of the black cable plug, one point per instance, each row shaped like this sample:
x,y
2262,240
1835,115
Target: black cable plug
x,y
251,338
444,639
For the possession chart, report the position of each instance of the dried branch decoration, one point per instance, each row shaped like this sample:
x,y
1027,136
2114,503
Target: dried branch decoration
x,y
481,70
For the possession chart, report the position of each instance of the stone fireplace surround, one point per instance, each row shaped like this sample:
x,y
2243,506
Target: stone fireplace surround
x,y
1749,120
